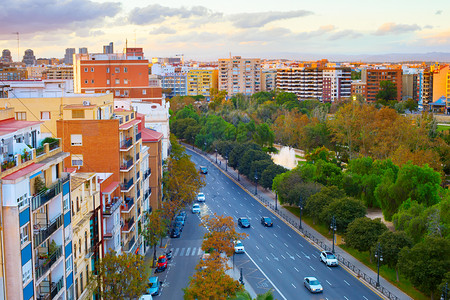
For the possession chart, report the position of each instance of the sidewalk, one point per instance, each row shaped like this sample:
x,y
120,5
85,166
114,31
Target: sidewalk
x,y
236,274
267,198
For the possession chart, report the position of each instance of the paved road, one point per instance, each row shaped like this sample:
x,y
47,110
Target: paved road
x,y
276,258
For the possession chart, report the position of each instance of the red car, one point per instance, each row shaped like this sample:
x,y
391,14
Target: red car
x,y
162,263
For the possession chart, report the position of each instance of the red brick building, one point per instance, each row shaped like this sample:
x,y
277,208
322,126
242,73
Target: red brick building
x,y
373,78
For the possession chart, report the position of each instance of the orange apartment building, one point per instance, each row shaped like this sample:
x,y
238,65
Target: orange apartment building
x,y
373,77
123,74
359,88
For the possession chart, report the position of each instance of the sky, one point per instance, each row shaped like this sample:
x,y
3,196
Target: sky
x,y
208,30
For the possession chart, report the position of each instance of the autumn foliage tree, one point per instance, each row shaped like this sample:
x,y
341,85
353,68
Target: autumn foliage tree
x,y
155,229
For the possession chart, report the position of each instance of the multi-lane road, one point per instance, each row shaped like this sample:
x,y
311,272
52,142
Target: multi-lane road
x,y
276,258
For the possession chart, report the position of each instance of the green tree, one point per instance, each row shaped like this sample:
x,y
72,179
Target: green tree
x,y
155,230
391,244
426,263
263,135
269,174
120,276
248,157
345,210
363,233
387,93
317,203
411,105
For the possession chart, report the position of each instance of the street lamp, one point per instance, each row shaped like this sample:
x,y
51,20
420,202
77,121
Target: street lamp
x,y
226,162
333,228
204,150
256,182
276,200
216,154
445,292
241,278
300,205
237,167
379,257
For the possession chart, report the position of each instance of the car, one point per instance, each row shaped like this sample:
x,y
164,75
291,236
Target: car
x,y
328,258
146,297
203,170
201,197
154,286
180,219
182,213
161,264
238,247
175,232
195,208
178,223
244,222
312,284
266,221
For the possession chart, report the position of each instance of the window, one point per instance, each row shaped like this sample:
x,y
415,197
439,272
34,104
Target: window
x,y
107,70
117,70
21,116
69,264
23,201
75,251
76,139
117,93
86,81
144,92
73,210
117,81
92,81
77,160
78,209
125,93
26,272
81,282
77,114
87,274
92,69
86,242
107,81
125,69
85,69
76,288
24,234
45,115
66,202
125,81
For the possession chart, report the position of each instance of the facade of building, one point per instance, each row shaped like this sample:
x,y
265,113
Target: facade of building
x,y
336,84
108,49
58,72
359,88
375,76
6,56
268,80
83,50
201,81
68,56
240,75
36,213
29,59
305,82
35,72
176,83
12,73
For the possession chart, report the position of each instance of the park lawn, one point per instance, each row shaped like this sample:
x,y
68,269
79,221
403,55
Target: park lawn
x,y
443,127
386,272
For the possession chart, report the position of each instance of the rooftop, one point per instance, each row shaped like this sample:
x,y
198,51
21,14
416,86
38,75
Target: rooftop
x,y
150,135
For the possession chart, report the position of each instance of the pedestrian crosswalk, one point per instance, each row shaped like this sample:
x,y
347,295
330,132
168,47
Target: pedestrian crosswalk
x,y
194,251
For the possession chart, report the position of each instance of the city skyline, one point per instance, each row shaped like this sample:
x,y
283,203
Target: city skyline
x,y
201,29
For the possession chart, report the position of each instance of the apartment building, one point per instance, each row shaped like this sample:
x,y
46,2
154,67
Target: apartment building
x,y
336,84
305,82
37,229
201,81
176,83
358,87
240,75
373,78
58,72
12,73
35,72
268,80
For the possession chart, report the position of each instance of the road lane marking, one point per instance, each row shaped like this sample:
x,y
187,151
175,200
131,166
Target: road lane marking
x,y
298,255
296,269
312,268
313,255
286,245
274,257
240,203
193,251
347,282
229,204
329,268
188,250
182,251
176,251
252,204
292,257
300,245
272,246
345,297
293,285
328,282
228,193
280,271
275,235
260,235
199,251
267,258
282,256
257,247
365,297
278,226
289,235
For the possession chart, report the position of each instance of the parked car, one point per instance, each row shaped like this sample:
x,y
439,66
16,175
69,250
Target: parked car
x,y
169,255
266,221
161,264
182,213
175,232
154,286
244,222
201,197
238,247
203,170
195,208
312,284
329,258
146,297
180,219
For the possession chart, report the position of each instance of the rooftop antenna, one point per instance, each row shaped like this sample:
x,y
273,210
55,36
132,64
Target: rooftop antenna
x,y
18,46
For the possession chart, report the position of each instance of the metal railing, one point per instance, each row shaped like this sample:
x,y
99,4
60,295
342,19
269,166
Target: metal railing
x,y
128,204
250,187
53,145
126,143
56,287
137,156
128,224
147,173
127,185
128,164
46,196
110,208
138,136
147,193
42,234
44,267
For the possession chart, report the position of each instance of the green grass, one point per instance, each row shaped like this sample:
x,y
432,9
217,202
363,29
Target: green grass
x,y
386,272
298,156
443,127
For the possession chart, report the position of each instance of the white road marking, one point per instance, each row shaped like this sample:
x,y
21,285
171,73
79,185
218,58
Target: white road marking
x,y
289,235
328,282
293,285
240,203
346,282
182,251
228,193
300,245
345,297
292,257
199,251
282,256
176,251
296,269
271,246
313,255
260,235
329,268
229,204
257,247
267,258
193,251
239,193
278,226
236,211
252,204
280,271
286,245
365,297
275,235
312,268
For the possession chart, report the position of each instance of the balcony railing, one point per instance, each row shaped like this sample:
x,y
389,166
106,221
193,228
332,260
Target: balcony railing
x,y
128,204
130,245
110,208
9,163
126,185
42,267
89,252
56,287
126,143
147,193
128,225
137,156
46,196
138,136
147,173
40,235
138,174
138,193
126,165
53,145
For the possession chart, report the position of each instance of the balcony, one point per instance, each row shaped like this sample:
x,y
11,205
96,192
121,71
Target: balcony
x,y
129,246
126,186
138,193
110,208
126,143
89,252
45,196
49,290
138,137
137,156
128,204
147,193
138,175
41,234
9,163
128,225
45,263
126,165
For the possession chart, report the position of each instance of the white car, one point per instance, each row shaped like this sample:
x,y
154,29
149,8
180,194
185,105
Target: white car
x,y
238,247
328,258
195,208
201,197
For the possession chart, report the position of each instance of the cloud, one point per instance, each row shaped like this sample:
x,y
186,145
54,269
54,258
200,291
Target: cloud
x,y
258,35
163,30
315,33
392,28
249,20
155,13
348,34
438,12
30,16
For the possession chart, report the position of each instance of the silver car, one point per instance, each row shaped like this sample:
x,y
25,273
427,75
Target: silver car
x,y
313,285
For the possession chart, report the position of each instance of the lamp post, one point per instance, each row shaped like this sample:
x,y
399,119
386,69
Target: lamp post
x,y
241,278
216,154
237,167
256,182
204,150
300,205
379,257
445,292
333,228
226,162
276,200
